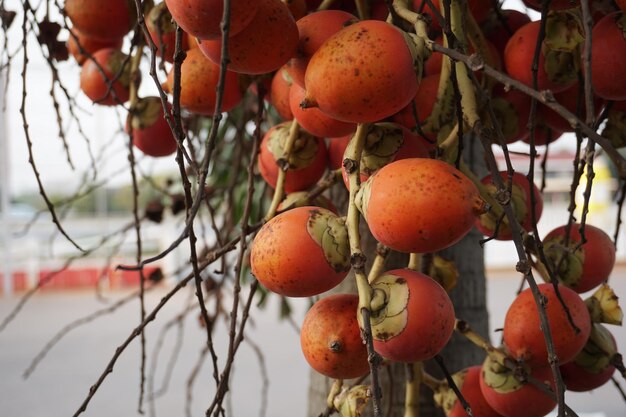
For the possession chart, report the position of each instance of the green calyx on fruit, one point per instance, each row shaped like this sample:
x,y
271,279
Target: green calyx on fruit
x,y
331,234
351,402
597,354
363,197
489,220
389,312
564,31
445,397
507,117
161,19
382,143
561,46
304,149
500,378
146,112
561,67
604,306
566,264
444,272
615,128
118,64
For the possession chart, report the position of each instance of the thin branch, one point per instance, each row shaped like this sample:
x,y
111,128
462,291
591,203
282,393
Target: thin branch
x,y
74,325
210,258
25,125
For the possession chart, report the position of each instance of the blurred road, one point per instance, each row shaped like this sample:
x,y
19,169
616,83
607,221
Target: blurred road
x,y
60,383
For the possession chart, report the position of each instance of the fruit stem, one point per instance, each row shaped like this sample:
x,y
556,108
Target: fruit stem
x,y
352,164
423,44
449,146
401,7
502,359
357,258
415,262
415,374
479,42
135,76
540,267
431,382
283,166
328,181
494,353
363,9
334,391
466,87
325,5
382,252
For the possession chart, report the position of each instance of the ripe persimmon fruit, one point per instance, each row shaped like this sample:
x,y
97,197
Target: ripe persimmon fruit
x,y
301,252
419,205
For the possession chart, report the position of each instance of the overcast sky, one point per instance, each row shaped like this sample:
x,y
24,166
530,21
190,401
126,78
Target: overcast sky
x,y
99,123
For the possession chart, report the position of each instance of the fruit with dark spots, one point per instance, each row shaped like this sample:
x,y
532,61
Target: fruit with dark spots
x,y
202,18
524,337
315,121
386,82
580,267
416,318
330,338
279,93
199,79
418,205
301,252
313,31
520,203
264,45
557,69
306,164
511,398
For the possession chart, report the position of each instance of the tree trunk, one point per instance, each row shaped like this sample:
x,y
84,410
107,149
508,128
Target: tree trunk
x,y
469,299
